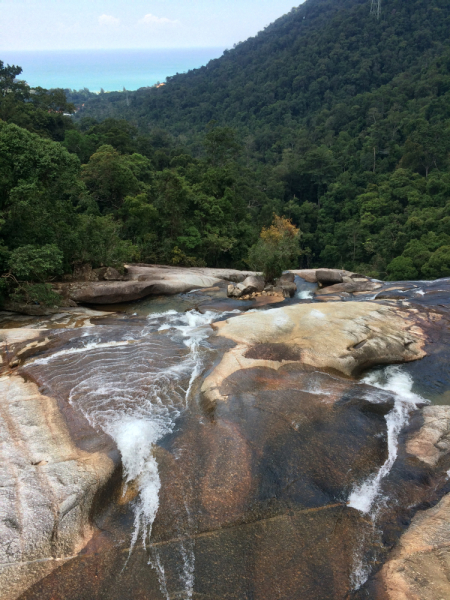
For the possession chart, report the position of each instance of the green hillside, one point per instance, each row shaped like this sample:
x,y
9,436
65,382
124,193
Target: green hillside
x,y
345,120
317,56
330,117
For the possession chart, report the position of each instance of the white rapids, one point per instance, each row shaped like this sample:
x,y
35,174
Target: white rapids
x,y
367,497
139,405
391,379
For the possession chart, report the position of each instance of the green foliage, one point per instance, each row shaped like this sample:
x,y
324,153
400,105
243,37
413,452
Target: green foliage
x,y
46,112
329,118
31,263
179,259
401,269
343,124
99,243
37,293
438,264
277,249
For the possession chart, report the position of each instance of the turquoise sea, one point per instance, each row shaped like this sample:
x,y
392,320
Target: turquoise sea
x,y
111,70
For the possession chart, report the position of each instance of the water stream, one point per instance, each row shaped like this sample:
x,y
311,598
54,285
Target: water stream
x,y
134,389
279,456
390,379
367,497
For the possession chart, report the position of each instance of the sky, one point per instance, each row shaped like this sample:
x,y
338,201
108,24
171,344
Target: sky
x,y
114,24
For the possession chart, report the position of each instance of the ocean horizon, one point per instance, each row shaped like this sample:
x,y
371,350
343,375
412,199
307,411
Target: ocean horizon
x,y
110,70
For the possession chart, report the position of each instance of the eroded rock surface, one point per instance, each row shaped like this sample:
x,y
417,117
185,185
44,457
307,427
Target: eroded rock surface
x,y
147,280
47,487
253,501
433,440
419,568
346,337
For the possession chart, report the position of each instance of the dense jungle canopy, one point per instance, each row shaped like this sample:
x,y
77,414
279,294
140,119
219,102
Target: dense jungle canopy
x,y
331,117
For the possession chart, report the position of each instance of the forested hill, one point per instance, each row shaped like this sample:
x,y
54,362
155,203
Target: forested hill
x,y
344,122
321,54
330,118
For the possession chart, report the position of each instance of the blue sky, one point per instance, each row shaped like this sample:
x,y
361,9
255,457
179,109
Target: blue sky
x,y
85,24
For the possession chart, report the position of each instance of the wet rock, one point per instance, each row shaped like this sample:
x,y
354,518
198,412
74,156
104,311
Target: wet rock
x,y
253,284
289,289
146,280
233,291
287,285
250,285
433,440
18,344
286,278
392,295
33,310
347,337
47,487
419,567
308,275
329,276
350,288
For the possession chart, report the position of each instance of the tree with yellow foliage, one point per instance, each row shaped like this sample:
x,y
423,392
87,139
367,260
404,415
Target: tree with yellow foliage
x,y
277,249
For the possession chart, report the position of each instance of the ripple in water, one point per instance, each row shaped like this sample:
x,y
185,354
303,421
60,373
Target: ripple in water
x,y
134,389
367,497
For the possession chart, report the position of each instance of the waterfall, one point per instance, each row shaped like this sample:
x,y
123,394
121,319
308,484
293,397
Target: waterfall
x,y
134,389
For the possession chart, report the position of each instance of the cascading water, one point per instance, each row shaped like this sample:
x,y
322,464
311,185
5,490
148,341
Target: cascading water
x,y
305,290
135,389
366,497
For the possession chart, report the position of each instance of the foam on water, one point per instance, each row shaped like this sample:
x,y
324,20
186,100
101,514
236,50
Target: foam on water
x,y
305,295
391,379
367,496
135,393
94,345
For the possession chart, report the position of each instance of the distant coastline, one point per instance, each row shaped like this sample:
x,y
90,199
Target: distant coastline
x,y
110,70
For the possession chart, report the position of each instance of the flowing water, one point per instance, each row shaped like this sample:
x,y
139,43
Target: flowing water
x,y
365,497
134,385
284,491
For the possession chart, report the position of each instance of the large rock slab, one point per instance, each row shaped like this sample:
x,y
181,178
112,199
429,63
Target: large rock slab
x,y
168,273
346,337
308,275
47,486
148,280
419,568
433,440
355,286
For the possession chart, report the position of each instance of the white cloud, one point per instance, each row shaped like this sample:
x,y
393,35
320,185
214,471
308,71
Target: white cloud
x,y
108,20
154,20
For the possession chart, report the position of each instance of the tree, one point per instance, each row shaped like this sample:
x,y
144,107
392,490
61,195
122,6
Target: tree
x,y
401,269
221,144
111,176
321,165
427,147
8,83
277,249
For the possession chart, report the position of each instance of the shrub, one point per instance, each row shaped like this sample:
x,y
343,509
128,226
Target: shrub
x,y
401,269
277,249
37,293
439,264
33,263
